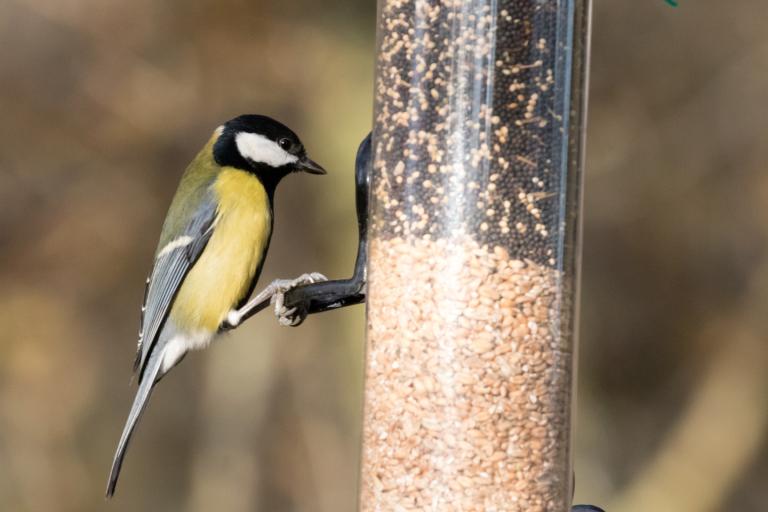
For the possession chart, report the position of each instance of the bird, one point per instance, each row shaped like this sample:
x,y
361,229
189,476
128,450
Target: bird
x,y
211,251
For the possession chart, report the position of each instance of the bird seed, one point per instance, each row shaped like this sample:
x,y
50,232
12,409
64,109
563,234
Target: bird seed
x,y
464,409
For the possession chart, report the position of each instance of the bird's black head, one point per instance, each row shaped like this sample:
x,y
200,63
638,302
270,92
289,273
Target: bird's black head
x,y
263,146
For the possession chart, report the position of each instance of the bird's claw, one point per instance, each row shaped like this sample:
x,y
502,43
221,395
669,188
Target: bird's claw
x,y
286,317
289,317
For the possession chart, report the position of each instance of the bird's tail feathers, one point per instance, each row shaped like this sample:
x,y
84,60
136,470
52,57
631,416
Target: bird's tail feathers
x,y
147,382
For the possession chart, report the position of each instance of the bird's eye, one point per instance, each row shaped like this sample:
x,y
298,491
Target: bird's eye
x,y
285,144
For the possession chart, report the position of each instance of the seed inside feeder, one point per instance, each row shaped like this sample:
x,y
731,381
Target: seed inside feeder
x,y
459,410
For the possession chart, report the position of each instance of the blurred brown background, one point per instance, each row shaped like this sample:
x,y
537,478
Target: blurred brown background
x,y
104,102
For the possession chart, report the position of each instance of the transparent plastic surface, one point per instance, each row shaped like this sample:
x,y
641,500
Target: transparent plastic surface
x,y
473,255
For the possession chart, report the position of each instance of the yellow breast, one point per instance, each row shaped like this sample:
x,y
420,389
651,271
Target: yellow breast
x,y
224,272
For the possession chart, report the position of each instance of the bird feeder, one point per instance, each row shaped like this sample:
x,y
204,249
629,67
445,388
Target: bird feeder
x,y
473,256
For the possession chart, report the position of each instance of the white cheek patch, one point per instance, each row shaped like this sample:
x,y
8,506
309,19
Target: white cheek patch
x,y
260,149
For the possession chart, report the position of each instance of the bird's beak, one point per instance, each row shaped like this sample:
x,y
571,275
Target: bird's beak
x,y
307,165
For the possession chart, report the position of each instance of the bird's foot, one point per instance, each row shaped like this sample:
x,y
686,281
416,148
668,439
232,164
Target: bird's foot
x,y
285,316
275,294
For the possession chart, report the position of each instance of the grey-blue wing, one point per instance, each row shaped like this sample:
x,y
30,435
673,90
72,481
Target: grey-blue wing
x,y
172,263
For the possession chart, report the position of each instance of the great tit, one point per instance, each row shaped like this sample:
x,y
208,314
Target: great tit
x,y
212,247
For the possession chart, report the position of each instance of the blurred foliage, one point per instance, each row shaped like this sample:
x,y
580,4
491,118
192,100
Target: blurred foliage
x,y
105,102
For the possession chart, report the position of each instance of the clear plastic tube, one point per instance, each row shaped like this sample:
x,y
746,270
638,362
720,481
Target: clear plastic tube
x,y
474,255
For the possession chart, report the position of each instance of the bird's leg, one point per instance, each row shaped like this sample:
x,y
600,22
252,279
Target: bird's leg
x,y
271,294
